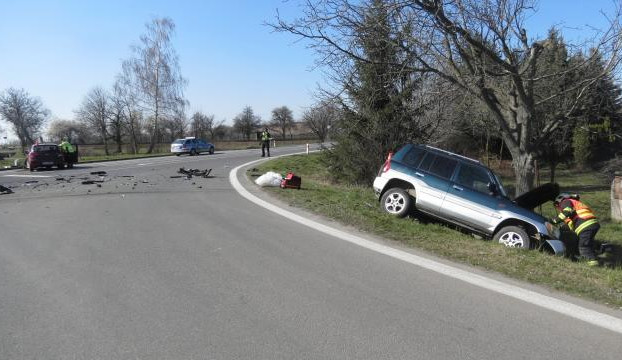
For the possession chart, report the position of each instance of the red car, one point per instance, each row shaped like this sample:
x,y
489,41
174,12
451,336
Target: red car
x,y
45,155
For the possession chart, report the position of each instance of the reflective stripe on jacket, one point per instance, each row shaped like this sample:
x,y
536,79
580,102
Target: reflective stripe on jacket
x,y
265,136
576,215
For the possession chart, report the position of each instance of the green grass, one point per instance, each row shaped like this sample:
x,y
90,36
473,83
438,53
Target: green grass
x,y
357,206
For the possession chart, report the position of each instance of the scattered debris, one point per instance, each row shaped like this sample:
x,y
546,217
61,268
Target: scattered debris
x,y
91,182
195,172
126,176
291,181
176,176
31,182
270,178
144,181
100,173
5,190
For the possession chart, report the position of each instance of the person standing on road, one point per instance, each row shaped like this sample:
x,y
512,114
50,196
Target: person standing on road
x,y
265,142
68,152
580,219
66,147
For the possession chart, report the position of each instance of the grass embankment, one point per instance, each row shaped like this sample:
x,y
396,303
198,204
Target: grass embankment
x,y
357,206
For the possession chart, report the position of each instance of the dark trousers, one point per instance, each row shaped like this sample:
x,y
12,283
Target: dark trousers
x,y
586,241
265,145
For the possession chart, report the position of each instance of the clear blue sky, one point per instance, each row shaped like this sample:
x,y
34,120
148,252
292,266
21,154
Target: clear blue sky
x,y
59,50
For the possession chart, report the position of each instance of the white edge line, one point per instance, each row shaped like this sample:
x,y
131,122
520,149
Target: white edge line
x,y
27,176
563,307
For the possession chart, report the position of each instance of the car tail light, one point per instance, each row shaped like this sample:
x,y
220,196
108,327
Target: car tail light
x,y
387,164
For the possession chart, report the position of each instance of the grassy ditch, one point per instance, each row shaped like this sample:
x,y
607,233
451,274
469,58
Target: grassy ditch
x,y
357,206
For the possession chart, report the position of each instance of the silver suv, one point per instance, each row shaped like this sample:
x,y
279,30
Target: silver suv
x,y
464,192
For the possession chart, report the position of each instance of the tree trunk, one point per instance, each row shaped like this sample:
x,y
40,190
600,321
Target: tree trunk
x,y
553,166
154,137
106,145
524,172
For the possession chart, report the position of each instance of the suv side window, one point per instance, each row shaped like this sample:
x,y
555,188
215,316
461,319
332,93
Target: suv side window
x,y
427,161
473,177
443,167
413,157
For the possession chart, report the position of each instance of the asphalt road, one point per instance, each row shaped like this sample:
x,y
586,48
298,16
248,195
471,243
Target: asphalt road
x,y
150,266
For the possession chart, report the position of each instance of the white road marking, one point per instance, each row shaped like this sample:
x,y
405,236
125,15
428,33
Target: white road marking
x,y
27,176
563,307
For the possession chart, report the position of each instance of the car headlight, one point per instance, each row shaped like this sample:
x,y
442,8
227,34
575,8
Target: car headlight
x,y
552,230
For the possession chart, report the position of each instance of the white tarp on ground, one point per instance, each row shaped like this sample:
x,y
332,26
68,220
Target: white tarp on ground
x,y
269,179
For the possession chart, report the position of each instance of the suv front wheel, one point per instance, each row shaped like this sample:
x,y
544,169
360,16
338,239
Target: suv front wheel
x,y
512,236
396,201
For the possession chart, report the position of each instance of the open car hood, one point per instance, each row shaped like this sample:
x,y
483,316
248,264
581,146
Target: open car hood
x,y
538,196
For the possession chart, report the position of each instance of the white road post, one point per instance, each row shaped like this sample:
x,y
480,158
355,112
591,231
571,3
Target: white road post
x,y
307,149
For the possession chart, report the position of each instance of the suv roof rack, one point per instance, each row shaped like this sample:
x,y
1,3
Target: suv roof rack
x,y
453,154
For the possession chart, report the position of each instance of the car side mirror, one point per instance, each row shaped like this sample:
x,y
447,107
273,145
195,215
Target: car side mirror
x,y
492,187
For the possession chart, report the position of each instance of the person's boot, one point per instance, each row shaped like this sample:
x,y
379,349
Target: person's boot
x,y
593,263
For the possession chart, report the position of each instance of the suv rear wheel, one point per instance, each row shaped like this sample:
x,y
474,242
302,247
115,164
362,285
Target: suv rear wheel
x,y
512,236
396,201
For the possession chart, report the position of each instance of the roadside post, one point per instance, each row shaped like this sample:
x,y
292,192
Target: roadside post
x,y
616,198
307,149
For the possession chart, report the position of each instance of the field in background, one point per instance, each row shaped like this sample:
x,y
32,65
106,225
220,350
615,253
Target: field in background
x,y
97,153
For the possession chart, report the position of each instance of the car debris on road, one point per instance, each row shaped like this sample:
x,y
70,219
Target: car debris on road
x,y
195,172
5,190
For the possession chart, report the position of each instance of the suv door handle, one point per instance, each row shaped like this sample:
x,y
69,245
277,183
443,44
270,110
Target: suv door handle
x,y
419,174
458,188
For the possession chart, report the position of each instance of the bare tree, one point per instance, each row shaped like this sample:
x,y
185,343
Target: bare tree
x,y
176,124
481,47
125,92
320,118
25,113
117,116
156,70
246,122
283,119
204,126
74,131
95,112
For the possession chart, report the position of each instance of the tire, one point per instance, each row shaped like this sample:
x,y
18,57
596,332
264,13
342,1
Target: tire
x,y
193,152
211,151
396,201
29,167
61,166
177,154
512,236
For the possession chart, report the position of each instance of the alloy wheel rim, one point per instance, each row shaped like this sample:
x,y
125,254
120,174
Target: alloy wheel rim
x,y
511,239
394,203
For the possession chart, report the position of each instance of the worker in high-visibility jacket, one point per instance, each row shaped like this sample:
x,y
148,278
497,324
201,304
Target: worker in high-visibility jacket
x,y
265,142
580,219
65,146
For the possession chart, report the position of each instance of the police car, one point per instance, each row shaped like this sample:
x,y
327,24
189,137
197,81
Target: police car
x,y
191,146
